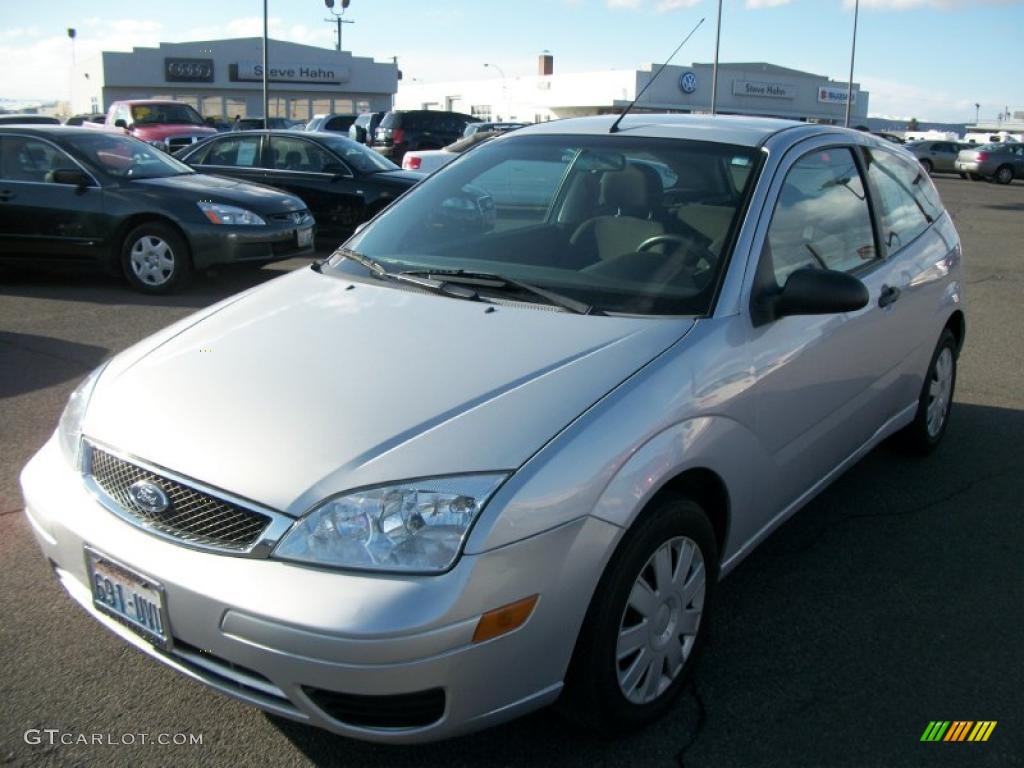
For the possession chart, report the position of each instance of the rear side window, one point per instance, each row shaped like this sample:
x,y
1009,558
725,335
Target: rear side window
x,y
27,159
234,153
906,198
821,218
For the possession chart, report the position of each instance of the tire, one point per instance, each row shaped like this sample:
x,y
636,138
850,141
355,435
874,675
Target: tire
x,y
155,258
975,176
963,175
928,167
608,692
1004,174
934,405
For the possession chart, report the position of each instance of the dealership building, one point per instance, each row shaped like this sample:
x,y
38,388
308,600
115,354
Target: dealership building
x,y
224,78
745,89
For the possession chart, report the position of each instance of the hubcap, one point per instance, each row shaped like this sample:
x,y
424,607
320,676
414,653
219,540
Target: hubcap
x,y
660,622
939,391
152,260
1005,174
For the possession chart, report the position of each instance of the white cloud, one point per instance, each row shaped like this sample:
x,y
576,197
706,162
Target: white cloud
x,y
615,4
902,101
664,6
765,3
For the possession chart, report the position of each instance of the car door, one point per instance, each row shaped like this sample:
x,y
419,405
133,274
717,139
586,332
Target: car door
x,y
236,156
820,378
326,184
40,217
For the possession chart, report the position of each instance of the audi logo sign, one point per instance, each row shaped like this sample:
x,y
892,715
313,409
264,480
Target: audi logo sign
x,y
188,70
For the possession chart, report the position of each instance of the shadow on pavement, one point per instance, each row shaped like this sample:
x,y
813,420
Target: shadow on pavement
x,y
30,362
891,600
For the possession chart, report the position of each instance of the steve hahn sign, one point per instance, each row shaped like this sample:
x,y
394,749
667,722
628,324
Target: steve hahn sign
x,y
245,71
766,90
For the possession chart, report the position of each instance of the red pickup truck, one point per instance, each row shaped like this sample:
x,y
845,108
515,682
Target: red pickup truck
x,y
169,125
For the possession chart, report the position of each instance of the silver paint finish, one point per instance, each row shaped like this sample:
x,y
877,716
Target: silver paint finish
x,y
307,387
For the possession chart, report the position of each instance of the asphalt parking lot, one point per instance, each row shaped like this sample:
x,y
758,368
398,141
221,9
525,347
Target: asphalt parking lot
x,y
895,598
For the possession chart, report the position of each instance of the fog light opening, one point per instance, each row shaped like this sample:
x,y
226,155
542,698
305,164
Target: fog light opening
x,y
503,620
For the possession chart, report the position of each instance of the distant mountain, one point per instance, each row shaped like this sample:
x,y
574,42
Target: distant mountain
x,y
900,126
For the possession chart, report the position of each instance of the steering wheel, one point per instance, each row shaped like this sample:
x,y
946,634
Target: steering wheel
x,y
700,262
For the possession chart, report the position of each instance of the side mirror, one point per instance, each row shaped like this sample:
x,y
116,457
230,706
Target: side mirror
x,y
120,123
811,291
71,176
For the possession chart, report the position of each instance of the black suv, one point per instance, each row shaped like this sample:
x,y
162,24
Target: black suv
x,y
404,130
365,126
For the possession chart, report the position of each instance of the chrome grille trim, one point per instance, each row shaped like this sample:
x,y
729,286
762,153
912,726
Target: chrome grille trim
x,y
202,517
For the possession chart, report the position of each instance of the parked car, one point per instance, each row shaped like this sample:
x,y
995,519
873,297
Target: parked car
x,y
333,123
491,128
342,182
1001,162
365,126
75,195
429,160
402,130
166,125
84,118
532,447
275,123
936,155
28,120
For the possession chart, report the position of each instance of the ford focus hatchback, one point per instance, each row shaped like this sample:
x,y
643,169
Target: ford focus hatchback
x,y
561,388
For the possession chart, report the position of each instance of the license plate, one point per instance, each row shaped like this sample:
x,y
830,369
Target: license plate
x,y
133,599
305,237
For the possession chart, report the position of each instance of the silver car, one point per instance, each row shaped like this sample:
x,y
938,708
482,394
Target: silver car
x,y
538,428
1001,163
936,156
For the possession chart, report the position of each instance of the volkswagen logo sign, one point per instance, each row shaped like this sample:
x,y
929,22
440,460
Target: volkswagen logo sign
x,y
688,82
148,497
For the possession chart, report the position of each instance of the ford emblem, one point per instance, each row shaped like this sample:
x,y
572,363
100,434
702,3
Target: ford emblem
x,y
148,497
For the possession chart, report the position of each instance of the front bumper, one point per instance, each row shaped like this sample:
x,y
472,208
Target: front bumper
x,y
218,244
267,632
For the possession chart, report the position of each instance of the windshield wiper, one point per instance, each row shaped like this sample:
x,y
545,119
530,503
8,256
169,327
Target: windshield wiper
x,y
494,281
378,270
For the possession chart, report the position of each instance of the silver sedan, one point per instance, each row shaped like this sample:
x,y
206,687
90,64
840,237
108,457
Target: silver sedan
x,y
498,451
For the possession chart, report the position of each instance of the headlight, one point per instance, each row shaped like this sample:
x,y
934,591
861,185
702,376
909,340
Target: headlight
x,y
414,526
229,214
69,431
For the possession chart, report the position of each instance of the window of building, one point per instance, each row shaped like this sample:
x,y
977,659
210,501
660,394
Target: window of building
x,y
298,109
234,107
278,107
343,106
211,106
821,218
321,106
362,106
481,112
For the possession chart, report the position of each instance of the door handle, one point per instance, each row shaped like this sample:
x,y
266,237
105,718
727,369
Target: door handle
x,y
889,295
6,195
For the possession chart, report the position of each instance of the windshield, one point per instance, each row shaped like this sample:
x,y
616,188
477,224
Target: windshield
x,y
125,157
623,224
358,156
165,114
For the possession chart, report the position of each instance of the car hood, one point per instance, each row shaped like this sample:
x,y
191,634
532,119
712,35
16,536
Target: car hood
x,y
158,131
312,384
257,197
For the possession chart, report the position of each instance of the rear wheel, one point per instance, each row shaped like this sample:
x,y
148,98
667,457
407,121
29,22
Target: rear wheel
x,y
1004,174
155,258
646,622
975,176
925,432
928,167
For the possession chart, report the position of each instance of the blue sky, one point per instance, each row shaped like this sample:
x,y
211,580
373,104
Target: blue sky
x,y
931,59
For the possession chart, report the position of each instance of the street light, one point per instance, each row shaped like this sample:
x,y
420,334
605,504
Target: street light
x,y
853,53
338,18
504,91
977,113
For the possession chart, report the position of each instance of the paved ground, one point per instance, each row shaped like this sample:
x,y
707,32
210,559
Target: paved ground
x,y
896,598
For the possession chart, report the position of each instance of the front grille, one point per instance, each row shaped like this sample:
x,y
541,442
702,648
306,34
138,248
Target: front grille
x,y
191,516
404,710
295,218
177,142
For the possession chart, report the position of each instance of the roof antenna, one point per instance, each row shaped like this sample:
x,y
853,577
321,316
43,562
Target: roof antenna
x,y
615,125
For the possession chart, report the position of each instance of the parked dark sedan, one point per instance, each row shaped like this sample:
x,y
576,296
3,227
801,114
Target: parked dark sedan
x,y
69,193
343,182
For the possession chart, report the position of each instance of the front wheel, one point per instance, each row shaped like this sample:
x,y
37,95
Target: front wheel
x,y
646,622
155,258
925,432
1004,174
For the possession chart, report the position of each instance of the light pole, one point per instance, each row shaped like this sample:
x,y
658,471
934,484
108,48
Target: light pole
x,y
714,68
266,87
853,54
504,91
977,113
71,80
338,19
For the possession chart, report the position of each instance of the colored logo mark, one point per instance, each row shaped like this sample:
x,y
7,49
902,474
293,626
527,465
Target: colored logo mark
x,y
958,730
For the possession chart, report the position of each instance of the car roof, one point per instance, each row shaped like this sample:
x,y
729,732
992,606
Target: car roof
x,y
726,129
54,130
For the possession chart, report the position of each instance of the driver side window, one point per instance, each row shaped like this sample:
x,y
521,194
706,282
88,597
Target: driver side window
x,y
821,217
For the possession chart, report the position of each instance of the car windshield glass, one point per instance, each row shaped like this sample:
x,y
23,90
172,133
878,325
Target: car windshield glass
x,y
125,157
359,156
165,114
622,224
